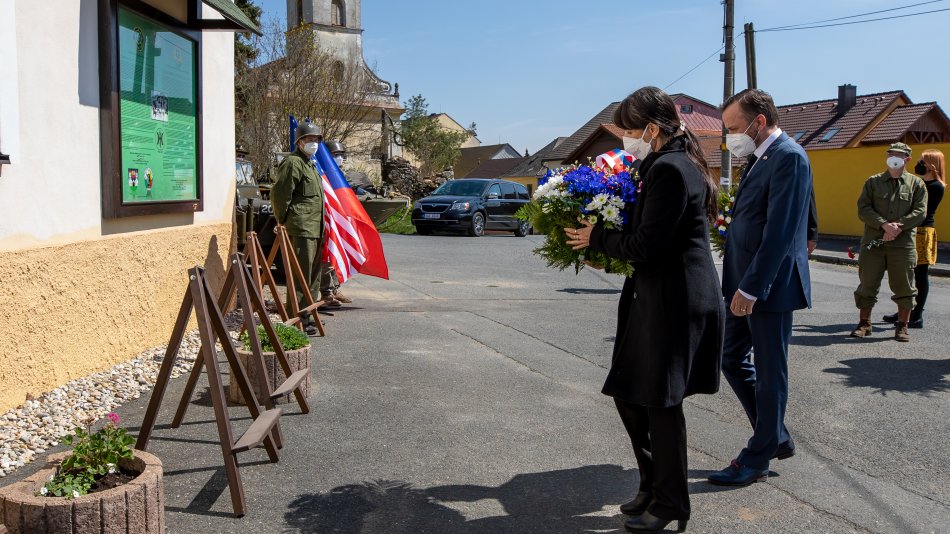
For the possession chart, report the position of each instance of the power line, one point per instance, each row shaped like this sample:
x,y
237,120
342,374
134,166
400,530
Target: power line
x,y
700,64
854,16
789,29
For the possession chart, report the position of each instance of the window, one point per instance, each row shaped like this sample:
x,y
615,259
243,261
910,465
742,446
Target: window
x,y
797,135
829,134
508,191
494,191
686,108
337,13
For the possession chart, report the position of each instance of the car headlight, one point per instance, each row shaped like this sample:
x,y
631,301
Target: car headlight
x,y
460,206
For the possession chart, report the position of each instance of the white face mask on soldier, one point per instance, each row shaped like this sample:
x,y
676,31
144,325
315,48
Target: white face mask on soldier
x,y
338,160
741,144
895,162
310,148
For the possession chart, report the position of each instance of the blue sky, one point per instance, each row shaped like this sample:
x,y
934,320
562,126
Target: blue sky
x,y
527,71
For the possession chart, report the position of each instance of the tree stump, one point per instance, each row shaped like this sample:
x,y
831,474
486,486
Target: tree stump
x,y
137,507
297,359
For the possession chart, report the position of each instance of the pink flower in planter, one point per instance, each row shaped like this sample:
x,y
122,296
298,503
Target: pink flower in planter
x,y
114,417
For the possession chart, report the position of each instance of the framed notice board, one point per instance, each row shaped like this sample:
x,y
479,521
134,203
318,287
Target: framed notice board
x,y
150,112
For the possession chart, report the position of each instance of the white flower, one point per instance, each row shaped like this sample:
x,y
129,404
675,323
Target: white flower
x,y
43,490
112,468
611,213
723,228
75,494
598,201
732,199
728,220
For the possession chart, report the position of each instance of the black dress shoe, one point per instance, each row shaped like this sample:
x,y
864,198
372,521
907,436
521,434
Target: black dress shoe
x,y
919,323
647,522
738,475
638,505
785,451
890,318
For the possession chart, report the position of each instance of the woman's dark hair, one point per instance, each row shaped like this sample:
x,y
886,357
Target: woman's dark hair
x,y
651,104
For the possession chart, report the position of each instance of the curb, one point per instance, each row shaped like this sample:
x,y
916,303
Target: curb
x,y
935,270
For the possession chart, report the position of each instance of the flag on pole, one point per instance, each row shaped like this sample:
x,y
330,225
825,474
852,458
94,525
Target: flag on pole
x,y
353,244
293,133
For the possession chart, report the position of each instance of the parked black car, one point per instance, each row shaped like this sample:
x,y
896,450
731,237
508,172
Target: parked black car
x,y
472,205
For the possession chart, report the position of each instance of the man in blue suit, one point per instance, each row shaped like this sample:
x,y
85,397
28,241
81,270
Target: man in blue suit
x,y
764,277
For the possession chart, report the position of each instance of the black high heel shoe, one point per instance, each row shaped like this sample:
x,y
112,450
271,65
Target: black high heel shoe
x,y
638,505
647,522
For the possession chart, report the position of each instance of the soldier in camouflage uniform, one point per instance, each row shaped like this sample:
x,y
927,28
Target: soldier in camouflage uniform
x,y
297,199
891,206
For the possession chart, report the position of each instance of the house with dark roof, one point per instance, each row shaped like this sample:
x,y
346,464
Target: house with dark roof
x,y
846,139
531,168
494,168
471,158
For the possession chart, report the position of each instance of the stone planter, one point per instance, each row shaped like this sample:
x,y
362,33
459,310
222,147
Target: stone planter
x,y
136,507
297,359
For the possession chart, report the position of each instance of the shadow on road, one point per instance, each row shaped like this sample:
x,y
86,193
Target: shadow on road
x,y
885,375
563,501
553,501
835,334
588,291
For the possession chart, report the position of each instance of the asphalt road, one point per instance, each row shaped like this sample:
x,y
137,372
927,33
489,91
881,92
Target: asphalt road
x,y
463,395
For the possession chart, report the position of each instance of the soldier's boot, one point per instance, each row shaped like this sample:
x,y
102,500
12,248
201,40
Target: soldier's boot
x,y
338,295
900,332
864,327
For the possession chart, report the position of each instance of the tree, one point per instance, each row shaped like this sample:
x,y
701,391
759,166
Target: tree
x,y
245,54
293,75
434,146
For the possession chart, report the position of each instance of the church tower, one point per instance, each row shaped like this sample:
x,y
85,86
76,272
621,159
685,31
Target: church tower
x,y
337,28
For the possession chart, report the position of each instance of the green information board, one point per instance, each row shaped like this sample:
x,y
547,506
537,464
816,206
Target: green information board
x,y
158,112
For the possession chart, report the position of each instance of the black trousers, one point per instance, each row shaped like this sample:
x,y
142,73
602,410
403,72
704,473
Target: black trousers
x,y
922,281
658,436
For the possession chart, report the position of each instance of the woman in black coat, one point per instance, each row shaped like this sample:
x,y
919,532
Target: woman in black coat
x,y
671,314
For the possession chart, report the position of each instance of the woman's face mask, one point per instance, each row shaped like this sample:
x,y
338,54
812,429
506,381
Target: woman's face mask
x,y
921,168
639,148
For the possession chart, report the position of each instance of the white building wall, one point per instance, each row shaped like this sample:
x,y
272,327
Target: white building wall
x,y
52,192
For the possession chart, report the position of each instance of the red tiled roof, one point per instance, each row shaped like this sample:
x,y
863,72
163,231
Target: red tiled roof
x,y
893,128
703,117
815,119
494,168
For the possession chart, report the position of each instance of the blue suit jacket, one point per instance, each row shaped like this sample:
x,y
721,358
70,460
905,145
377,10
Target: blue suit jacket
x,y
766,248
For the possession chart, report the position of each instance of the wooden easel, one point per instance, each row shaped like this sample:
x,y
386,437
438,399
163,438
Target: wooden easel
x,y
260,268
265,426
239,284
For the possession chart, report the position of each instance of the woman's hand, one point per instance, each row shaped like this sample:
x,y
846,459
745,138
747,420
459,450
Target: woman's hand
x,y
579,238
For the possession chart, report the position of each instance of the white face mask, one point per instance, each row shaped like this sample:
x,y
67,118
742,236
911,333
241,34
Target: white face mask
x,y
741,144
310,148
338,160
638,147
895,162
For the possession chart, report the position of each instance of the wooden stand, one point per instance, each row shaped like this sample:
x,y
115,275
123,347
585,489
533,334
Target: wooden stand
x,y
260,269
265,427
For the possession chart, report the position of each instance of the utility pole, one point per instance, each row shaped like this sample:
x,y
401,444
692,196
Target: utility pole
x,y
751,75
729,59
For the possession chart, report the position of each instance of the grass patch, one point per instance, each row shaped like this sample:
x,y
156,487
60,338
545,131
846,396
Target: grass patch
x,y
399,223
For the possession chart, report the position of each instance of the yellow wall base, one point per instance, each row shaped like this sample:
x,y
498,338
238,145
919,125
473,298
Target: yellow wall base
x,y
72,310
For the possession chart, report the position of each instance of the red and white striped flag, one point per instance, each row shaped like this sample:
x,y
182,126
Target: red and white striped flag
x,y
353,243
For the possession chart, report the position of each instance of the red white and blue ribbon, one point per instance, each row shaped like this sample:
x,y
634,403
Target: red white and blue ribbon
x,y
615,158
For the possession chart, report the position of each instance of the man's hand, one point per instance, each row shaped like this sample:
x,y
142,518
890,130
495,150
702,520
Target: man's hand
x,y
812,245
741,306
891,230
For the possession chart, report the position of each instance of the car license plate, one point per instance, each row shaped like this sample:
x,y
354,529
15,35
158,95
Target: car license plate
x,y
430,215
